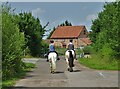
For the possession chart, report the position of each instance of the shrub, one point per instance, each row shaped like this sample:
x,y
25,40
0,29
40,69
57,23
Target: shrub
x,y
88,50
44,48
107,52
12,46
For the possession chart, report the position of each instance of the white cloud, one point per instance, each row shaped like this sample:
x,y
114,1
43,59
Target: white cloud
x,y
91,17
37,12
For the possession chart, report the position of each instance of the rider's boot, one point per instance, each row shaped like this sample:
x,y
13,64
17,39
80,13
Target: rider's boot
x,y
47,59
58,58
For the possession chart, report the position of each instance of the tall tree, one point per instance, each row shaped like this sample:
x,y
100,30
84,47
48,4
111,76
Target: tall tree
x,y
33,32
12,44
105,29
66,23
51,33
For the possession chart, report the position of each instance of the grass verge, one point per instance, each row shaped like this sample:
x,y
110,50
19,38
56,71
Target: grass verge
x,y
9,83
100,64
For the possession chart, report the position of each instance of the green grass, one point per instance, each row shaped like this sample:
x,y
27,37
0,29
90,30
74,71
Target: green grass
x,y
96,62
100,64
29,66
28,56
11,82
61,51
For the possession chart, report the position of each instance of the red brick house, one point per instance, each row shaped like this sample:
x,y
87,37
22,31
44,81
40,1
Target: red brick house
x,y
63,34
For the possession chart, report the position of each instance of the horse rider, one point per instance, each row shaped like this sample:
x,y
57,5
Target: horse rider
x,y
71,47
52,49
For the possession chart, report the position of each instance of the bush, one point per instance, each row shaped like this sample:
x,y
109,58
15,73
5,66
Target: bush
x,y
44,49
88,50
12,46
107,52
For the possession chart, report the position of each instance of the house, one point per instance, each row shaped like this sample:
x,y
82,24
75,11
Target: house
x,y
63,34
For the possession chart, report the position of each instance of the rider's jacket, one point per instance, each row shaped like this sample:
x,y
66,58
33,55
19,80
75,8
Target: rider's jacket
x,y
70,46
52,48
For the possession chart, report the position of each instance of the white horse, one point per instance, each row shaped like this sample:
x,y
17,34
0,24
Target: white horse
x,y
52,57
69,56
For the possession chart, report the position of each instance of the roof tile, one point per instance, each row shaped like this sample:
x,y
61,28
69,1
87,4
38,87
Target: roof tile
x,y
67,31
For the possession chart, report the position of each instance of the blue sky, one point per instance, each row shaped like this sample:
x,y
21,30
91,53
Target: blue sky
x,y
78,13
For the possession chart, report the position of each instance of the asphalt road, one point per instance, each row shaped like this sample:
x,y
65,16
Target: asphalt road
x,y
80,77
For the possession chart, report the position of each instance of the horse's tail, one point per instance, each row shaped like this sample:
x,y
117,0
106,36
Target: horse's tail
x,y
54,58
70,54
71,58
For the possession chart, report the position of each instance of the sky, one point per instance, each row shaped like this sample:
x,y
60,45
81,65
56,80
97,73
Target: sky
x,y
78,13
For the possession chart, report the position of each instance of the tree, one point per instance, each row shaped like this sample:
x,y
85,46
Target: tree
x,y
33,32
12,44
105,29
66,23
51,33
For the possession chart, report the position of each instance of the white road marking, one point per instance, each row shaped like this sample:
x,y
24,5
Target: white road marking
x,y
101,74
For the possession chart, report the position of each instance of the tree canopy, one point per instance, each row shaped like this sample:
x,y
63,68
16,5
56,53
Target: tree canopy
x,y
33,32
21,33
105,30
12,45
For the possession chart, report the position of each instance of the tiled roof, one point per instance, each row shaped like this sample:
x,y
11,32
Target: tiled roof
x,y
67,31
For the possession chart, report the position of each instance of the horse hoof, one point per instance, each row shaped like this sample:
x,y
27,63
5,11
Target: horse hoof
x,y
52,72
47,60
58,58
71,70
68,69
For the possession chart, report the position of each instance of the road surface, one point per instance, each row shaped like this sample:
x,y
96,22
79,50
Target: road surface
x,y
80,77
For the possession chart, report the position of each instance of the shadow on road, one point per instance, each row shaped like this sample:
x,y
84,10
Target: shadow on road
x,y
77,70
58,72
28,76
22,87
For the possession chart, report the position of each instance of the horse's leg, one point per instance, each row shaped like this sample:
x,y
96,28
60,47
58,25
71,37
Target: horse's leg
x,y
68,68
50,66
67,62
71,69
53,66
71,65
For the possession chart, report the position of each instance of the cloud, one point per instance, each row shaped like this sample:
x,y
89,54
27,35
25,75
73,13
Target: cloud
x,y
37,12
91,17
